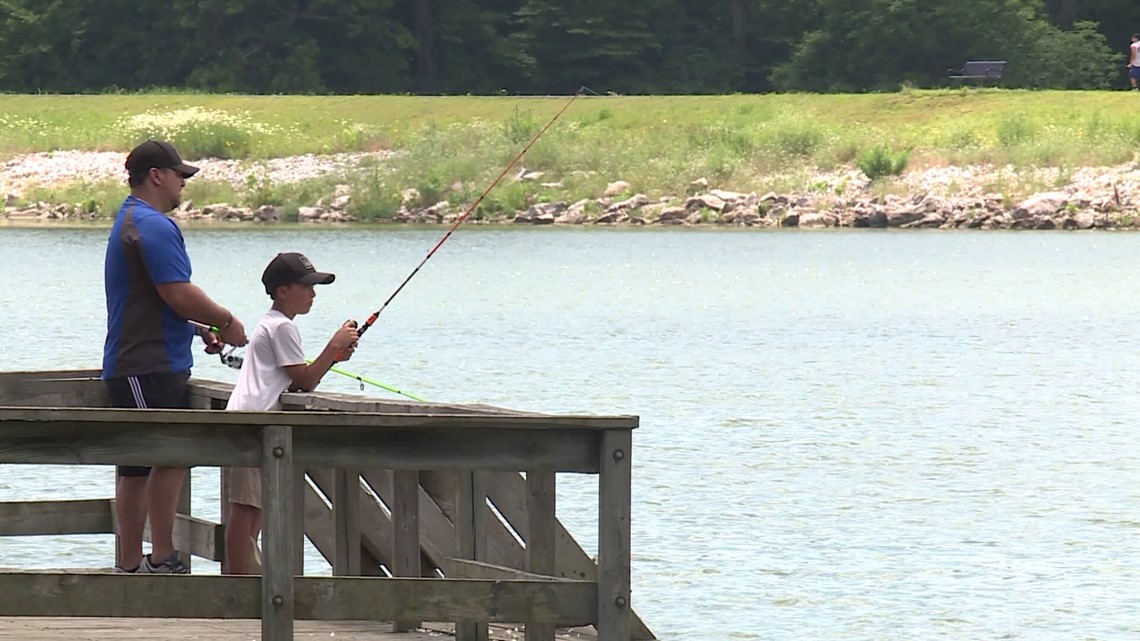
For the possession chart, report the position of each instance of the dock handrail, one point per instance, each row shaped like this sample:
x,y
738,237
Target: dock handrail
x,y
348,454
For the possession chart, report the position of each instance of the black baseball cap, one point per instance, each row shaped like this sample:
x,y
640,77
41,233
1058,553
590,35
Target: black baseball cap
x,y
158,154
292,267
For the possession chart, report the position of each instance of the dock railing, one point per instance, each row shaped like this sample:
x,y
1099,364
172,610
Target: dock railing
x,y
440,465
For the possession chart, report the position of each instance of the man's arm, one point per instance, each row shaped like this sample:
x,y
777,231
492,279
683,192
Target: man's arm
x,y
189,301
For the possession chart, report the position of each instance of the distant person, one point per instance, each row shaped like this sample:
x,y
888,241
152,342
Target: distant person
x,y
147,352
275,363
1134,61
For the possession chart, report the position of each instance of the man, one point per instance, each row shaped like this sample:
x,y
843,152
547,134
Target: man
x,y
147,353
1134,61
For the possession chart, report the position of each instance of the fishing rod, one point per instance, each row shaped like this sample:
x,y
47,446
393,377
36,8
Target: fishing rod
x,y
235,361
376,314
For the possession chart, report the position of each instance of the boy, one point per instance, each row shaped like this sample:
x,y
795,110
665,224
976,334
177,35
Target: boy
x,y
275,363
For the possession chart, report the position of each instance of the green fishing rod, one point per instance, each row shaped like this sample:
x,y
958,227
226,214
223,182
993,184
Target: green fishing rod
x,y
235,361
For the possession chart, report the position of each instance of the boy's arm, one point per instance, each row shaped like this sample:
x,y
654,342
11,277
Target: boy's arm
x,y
305,378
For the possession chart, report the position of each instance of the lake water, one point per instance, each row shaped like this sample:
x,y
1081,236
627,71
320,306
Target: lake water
x,y
845,434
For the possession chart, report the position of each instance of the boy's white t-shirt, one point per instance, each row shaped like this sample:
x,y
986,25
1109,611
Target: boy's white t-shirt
x,y
274,345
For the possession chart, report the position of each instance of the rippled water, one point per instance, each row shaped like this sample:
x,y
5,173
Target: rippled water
x,y
845,435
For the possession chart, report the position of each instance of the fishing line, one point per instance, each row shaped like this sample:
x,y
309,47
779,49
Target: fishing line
x,y
372,319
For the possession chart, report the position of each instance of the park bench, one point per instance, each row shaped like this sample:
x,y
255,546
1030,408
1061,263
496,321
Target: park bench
x,y
979,70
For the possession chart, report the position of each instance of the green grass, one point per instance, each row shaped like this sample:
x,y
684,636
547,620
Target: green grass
x,y
454,146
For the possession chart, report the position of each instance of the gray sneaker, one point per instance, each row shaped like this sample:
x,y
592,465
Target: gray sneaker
x,y
171,565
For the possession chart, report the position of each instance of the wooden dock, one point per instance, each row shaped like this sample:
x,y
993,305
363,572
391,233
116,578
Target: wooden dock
x,y
123,629
438,520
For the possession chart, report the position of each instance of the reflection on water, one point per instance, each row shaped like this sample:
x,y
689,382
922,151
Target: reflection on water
x,y
844,435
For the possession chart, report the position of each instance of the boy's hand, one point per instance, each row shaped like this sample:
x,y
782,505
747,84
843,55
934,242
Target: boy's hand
x,y
344,340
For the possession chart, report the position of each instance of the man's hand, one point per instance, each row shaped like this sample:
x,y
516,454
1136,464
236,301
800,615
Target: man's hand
x,y
234,334
213,343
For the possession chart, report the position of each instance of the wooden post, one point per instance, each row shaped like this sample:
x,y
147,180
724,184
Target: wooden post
x,y
278,479
298,524
346,522
466,535
614,484
224,500
405,532
540,538
184,508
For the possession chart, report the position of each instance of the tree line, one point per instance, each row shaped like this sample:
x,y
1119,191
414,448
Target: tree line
x,y
555,46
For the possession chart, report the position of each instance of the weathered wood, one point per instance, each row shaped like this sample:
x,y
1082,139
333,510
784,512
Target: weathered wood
x,y
395,435
185,545
278,481
431,448
346,522
540,485
230,597
136,443
375,526
406,532
437,534
466,535
191,535
508,492
468,569
614,504
319,530
297,517
327,422
54,392
24,518
197,537
135,629
445,599
224,505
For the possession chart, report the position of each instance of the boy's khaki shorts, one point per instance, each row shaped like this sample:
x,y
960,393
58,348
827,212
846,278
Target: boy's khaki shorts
x,y
245,485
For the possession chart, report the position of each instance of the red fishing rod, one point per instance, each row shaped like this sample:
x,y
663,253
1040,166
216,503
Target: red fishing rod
x,y
376,314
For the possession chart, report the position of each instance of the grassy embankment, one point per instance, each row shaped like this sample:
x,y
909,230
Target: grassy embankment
x,y
658,144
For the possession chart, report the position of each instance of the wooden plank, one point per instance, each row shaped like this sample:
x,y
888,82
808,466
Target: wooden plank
x,y
194,536
508,493
237,597
132,444
111,418
500,545
375,526
406,532
540,541
135,629
466,536
26,518
50,374
54,392
468,569
319,531
472,447
199,537
346,522
129,595
185,546
297,517
445,599
437,534
278,481
614,503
